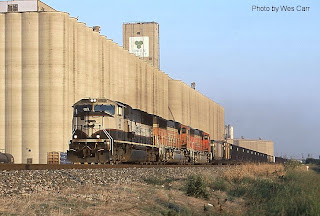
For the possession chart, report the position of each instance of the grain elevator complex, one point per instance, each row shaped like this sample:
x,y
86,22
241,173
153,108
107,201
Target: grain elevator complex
x,y
49,61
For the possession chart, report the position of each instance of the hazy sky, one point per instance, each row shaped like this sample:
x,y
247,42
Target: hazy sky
x,y
262,67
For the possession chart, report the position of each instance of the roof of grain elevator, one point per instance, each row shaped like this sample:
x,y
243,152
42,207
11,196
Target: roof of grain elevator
x,y
23,6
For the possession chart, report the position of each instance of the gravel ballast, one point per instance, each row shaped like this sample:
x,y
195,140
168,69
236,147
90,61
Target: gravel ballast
x,y
26,182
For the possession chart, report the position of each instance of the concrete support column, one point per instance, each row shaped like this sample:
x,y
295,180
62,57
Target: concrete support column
x,y
30,87
149,88
67,107
88,64
106,68
80,75
95,65
52,68
2,82
100,66
131,80
14,86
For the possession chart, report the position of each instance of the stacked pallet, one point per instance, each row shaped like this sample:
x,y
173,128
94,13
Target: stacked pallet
x,y
57,158
53,158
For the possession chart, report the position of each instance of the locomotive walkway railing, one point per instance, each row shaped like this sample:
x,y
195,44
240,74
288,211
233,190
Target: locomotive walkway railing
x,y
111,139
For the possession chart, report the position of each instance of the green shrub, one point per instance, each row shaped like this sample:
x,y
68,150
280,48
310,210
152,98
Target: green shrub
x,y
297,193
197,187
291,164
219,184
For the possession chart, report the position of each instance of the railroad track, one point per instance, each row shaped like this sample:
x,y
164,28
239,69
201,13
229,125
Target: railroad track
x,y
86,166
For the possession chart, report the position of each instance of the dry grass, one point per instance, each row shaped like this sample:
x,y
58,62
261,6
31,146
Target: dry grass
x,y
141,198
253,171
135,199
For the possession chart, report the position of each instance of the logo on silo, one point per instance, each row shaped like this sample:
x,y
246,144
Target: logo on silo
x,y
139,46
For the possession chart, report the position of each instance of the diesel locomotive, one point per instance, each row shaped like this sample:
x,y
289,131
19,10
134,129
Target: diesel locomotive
x,y
106,131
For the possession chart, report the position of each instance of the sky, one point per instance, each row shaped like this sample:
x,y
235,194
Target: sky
x,y
263,67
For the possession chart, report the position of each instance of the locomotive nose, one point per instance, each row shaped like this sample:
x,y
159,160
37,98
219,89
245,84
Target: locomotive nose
x,y
86,151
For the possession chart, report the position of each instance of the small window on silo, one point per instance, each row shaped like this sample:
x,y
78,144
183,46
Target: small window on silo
x,y
150,58
12,7
138,33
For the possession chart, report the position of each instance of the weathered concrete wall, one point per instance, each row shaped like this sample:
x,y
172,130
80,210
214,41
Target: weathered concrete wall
x,y
2,82
150,30
13,84
48,61
44,7
190,107
30,87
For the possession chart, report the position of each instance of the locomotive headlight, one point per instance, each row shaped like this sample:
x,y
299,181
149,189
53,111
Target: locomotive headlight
x,y
75,136
91,101
98,136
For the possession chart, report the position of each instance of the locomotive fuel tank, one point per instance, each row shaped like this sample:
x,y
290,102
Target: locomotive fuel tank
x,y
176,156
137,155
202,158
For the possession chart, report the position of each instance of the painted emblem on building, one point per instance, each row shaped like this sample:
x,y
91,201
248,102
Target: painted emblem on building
x,y
139,46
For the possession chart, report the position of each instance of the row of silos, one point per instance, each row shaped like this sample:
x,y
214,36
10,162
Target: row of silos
x,y
48,61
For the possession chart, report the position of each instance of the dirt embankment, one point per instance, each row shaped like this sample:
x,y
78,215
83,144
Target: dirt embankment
x,y
128,191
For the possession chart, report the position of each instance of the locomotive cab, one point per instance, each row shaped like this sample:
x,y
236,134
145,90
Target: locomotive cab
x,y
93,123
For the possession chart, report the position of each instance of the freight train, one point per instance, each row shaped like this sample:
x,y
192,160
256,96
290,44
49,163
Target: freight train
x,y
6,158
106,131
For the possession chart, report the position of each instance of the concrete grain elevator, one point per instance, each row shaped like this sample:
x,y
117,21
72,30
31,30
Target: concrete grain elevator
x,y
49,61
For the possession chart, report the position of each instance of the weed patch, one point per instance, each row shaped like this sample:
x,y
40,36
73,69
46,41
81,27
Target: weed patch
x,y
197,187
295,193
219,184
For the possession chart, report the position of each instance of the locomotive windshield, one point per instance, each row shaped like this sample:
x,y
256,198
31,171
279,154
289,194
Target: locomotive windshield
x,y
82,108
105,108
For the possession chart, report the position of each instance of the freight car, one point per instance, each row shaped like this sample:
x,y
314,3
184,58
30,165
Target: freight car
x,y
106,131
6,158
280,160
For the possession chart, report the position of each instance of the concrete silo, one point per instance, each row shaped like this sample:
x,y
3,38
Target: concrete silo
x,y
30,88
2,82
49,60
